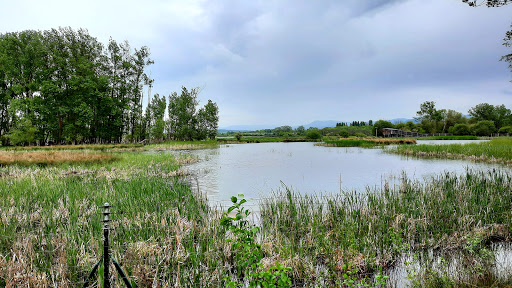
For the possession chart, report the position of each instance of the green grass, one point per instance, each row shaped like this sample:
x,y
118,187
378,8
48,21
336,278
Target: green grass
x,y
367,142
351,143
496,150
182,145
453,137
53,226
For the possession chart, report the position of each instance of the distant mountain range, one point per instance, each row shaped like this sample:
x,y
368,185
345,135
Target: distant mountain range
x,y
316,124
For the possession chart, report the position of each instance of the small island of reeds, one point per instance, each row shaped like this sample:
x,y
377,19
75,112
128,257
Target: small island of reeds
x,y
366,142
498,150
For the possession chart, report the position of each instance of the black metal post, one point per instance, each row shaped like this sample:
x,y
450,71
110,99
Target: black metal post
x,y
106,253
121,272
93,271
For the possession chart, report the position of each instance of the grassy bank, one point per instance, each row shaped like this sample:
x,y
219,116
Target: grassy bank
x,y
366,142
45,158
497,150
51,228
51,231
167,145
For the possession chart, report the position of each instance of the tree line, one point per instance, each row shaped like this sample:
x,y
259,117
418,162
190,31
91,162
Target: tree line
x,y
484,120
64,86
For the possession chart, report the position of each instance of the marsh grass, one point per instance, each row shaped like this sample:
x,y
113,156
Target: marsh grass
x,y
52,228
497,150
164,234
45,158
366,142
94,147
375,229
453,137
121,165
183,145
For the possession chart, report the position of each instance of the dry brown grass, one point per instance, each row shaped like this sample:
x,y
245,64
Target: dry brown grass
x,y
76,147
53,157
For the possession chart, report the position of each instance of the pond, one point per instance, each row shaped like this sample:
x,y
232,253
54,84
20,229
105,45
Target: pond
x,y
259,170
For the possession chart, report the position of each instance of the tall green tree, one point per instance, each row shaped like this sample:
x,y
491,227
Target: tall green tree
x,y
63,86
186,122
208,119
182,114
451,118
140,61
156,110
499,114
22,56
430,117
301,131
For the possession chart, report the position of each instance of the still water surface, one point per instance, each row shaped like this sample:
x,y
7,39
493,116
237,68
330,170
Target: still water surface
x,y
258,170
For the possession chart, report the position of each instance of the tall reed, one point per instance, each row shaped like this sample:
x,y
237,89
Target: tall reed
x,y
372,229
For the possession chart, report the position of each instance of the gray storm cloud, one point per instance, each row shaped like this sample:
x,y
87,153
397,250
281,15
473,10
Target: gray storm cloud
x,y
292,62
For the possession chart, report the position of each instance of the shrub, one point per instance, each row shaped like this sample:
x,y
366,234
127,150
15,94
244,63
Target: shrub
x,y
381,124
461,129
506,129
23,132
344,133
484,128
248,254
313,135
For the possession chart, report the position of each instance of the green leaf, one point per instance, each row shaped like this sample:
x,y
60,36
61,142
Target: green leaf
x,y
234,199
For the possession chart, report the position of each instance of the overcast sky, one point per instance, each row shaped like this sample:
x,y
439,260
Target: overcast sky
x,y
292,62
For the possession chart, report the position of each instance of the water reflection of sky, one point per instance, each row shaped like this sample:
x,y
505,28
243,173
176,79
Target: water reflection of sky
x,y
257,170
